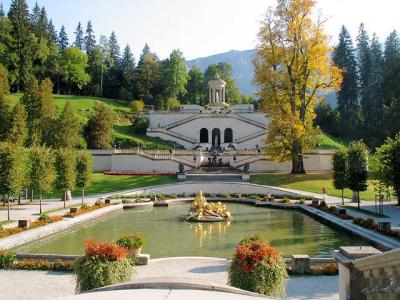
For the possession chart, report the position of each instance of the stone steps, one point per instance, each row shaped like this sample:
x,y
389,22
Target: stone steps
x,y
214,177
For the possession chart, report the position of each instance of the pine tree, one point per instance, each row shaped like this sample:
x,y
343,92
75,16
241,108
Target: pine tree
x,y
90,40
25,44
68,128
62,40
147,75
41,28
4,107
2,13
35,16
128,74
51,32
347,97
98,130
79,39
115,53
391,86
18,132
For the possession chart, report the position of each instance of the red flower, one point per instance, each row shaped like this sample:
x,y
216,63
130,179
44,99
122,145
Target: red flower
x,y
107,251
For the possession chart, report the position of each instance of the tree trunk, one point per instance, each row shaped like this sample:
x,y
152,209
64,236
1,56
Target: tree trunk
x,y
297,159
342,197
298,165
83,194
40,204
31,195
8,208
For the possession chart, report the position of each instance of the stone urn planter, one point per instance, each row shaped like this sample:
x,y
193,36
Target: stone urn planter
x,y
134,251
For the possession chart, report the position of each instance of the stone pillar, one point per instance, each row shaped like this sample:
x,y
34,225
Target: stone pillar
x,y
209,95
223,95
301,264
351,282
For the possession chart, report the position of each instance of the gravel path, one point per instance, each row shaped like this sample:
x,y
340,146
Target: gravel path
x,y
48,285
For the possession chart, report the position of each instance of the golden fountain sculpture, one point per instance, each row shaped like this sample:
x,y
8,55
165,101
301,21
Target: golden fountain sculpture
x,y
202,211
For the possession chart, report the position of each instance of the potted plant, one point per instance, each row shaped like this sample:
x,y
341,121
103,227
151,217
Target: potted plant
x,y
258,267
133,243
103,264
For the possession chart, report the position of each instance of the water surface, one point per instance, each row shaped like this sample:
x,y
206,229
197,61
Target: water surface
x,y
290,231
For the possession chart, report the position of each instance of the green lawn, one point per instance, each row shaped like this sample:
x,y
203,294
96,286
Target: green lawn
x,y
309,183
130,139
328,142
102,183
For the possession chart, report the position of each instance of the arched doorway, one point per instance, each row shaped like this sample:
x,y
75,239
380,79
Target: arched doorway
x,y
203,135
228,135
216,138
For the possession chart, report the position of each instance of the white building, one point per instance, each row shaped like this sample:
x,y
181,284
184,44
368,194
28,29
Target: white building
x,y
217,125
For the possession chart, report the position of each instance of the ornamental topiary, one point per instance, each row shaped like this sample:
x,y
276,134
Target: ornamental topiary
x,y
103,264
258,267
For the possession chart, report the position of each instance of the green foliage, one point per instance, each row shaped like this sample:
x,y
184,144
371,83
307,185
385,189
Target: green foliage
x,y
195,90
18,131
44,218
175,74
340,176
68,128
389,159
357,166
12,169
7,259
131,241
141,126
98,130
41,171
73,67
92,272
4,109
172,104
84,169
137,107
65,166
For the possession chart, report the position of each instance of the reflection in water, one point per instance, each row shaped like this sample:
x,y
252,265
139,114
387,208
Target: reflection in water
x,y
205,231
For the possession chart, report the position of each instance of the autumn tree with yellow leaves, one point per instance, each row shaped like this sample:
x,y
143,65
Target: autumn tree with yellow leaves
x,y
293,66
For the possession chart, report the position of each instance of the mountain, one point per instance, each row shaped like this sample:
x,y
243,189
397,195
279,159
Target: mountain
x,y
241,64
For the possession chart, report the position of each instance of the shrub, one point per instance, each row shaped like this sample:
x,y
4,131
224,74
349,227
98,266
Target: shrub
x,y
7,259
44,218
33,264
322,204
105,251
131,241
92,272
253,196
257,267
63,266
11,231
85,206
98,203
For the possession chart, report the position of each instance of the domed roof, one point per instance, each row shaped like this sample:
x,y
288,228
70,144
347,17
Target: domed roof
x,y
217,81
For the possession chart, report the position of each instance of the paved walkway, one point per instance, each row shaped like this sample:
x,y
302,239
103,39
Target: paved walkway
x,y
46,285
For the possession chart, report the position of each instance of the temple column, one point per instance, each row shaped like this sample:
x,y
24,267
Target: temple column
x,y
223,94
209,94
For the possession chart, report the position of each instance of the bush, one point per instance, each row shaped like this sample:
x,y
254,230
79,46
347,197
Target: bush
x,y
93,272
131,241
141,125
11,231
7,259
258,267
103,264
34,264
44,218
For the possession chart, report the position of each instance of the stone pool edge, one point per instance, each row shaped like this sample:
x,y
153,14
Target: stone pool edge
x,y
32,235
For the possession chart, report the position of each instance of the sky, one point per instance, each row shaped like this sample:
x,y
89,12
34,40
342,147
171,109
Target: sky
x,y
204,27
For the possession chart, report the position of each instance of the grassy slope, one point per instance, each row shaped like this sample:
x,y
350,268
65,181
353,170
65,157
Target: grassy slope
x,y
309,182
102,183
122,128
328,142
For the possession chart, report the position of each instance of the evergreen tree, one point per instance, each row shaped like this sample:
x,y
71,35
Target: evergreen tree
x,y
79,39
18,131
147,75
62,40
347,97
391,86
52,32
2,13
41,27
195,91
128,74
90,40
98,130
35,16
24,42
4,107
95,68
7,49
115,53
68,128
175,74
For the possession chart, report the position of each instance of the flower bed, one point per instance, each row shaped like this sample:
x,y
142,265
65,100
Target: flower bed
x,y
85,209
370,224
138,173
41,221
